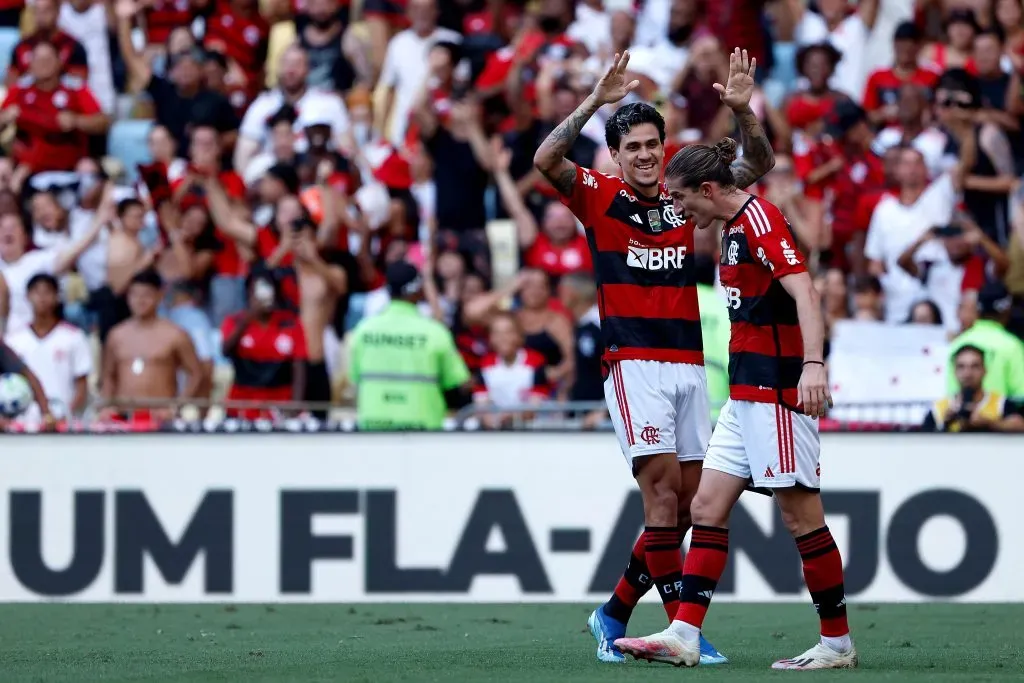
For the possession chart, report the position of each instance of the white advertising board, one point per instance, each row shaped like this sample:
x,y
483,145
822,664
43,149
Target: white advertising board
x,y
470,517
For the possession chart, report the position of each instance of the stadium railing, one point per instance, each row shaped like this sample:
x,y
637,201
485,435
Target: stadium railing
x,y
200,415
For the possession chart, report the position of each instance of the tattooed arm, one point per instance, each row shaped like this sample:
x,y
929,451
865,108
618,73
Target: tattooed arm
x,y
758,157
550,157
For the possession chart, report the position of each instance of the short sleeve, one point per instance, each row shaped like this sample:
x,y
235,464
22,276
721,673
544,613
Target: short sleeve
x,y
871,101
81,356
87,103
354,352
227,328
9,360
254,123
773,241
453,370
874,249
592,193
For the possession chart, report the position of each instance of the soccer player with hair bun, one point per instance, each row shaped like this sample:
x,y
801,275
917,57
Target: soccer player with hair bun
x,y
767,433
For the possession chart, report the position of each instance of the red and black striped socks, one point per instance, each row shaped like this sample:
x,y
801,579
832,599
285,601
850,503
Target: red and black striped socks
x,y
705,562
823,572
635,582
661,550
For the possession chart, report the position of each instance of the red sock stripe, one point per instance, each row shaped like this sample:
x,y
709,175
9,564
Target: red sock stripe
x,y
620,396
835,627
816,544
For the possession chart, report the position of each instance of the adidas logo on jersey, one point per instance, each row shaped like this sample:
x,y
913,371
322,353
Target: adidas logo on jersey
x,y
636,219
768,473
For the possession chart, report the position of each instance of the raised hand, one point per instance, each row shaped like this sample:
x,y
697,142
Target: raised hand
x,y
738,89
613,86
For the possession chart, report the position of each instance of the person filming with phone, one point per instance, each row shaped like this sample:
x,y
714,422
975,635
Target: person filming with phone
x,y
937,257
972,409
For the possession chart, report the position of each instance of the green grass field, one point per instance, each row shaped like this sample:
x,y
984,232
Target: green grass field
x,y
475,643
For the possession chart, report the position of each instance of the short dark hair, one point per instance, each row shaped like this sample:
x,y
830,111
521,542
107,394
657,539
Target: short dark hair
x,y
969,348
961,79
696,164
867,283
626,117
453,49
125,204
286,114
993,31
149,278
42,278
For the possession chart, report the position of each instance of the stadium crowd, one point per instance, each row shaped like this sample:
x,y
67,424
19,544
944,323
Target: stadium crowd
x,y
212,193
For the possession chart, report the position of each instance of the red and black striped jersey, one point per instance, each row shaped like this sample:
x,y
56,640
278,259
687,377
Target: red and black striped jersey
x,y
73,60
766,349
266,353
643,264
163,16
243,39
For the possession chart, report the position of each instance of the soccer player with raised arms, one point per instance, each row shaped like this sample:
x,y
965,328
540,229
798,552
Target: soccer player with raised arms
x,y
767,433
655,387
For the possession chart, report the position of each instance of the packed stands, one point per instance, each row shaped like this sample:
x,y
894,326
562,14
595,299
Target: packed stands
x,y
219,186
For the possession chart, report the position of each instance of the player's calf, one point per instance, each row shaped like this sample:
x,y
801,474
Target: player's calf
x,y
804,515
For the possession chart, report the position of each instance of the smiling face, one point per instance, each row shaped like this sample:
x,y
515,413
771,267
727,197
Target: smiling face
x,y
640,156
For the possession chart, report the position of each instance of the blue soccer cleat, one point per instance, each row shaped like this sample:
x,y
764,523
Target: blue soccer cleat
x,y
709,655
605,631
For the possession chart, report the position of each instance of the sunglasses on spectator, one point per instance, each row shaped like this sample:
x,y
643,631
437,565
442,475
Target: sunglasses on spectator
x,y
960,100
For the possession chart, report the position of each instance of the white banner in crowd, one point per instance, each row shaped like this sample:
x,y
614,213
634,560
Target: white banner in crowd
x,y
469,517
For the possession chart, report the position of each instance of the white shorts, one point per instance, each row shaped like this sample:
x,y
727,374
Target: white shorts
x,y
766,443
659,407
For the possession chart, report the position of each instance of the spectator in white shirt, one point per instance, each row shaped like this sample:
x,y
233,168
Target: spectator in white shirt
x,y
907,220
56,352
18,264
406,65
913,129
86,21
254,133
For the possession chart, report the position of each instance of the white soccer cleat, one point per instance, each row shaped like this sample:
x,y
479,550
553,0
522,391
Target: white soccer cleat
x,y
821,656
664,647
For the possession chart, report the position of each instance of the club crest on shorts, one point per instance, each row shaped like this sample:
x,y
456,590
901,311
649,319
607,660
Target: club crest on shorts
x,y
650,435
654,219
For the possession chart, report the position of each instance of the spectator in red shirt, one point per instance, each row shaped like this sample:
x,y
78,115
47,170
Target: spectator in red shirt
x,y
163,16
881,96
267,348
816,63
510,376
853,171
237,31
54,115
558,247
73,60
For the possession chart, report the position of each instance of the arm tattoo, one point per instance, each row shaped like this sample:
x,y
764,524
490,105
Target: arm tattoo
x,y
758,157
550,156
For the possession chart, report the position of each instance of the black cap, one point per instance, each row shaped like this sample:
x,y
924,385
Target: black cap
x,y
907,30
994,299
403,279
287,175
844,115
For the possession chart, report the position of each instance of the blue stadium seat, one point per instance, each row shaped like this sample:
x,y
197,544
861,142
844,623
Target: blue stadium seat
x,y
127,143
9,37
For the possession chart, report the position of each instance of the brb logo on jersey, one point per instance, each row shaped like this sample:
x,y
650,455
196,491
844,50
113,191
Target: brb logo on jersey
x,y
654,258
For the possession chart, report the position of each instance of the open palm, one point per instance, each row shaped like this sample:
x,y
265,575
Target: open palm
x,y
737,90
613,86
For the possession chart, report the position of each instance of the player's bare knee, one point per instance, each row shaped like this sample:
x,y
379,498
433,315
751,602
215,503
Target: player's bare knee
x,y
707,510
801,510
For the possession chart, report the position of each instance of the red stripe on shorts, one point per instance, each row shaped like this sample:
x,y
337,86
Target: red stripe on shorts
x,y
620,395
